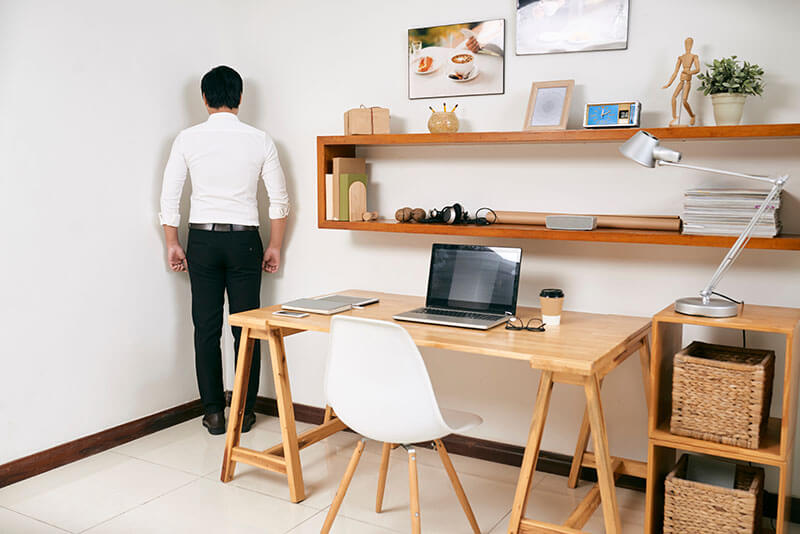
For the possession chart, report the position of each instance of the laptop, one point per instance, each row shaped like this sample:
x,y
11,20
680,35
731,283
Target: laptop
x,y
469,286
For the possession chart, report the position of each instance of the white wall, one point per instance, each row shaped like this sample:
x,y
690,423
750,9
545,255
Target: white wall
x,y
93,94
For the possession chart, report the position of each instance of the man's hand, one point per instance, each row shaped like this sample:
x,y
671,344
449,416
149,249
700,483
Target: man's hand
x,y
272,260
176,258
473,45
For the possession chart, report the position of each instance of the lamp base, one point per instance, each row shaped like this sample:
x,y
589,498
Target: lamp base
x,y
714,308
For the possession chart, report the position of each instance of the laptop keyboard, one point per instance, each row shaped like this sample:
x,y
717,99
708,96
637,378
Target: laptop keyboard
x,y
455,313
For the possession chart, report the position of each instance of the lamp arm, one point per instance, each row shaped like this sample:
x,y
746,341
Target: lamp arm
x,y
718,171
741,242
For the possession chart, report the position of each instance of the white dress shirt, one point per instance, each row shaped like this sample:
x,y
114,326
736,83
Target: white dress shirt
x,y
225,158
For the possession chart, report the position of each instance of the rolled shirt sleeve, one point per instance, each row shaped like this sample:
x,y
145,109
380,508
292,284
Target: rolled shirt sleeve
x,y
174,177
274,180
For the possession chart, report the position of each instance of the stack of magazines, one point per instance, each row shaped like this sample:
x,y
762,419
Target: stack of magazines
x,y
727,212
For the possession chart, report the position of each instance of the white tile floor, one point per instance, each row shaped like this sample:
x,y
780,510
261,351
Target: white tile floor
x,y
168,482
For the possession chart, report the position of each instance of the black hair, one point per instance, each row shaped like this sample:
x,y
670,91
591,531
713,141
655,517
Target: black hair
x,y
222,86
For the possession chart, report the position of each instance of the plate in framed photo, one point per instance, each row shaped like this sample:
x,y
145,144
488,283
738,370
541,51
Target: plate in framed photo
x,y
434,66
453,76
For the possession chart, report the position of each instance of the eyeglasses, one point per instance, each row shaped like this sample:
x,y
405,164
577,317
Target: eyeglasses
x,y
533,325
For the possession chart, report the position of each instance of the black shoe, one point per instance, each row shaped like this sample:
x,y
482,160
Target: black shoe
x,y
215,423
248,422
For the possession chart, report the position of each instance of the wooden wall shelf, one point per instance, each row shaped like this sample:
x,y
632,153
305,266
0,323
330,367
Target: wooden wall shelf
x,y
654,237
747,131
329,147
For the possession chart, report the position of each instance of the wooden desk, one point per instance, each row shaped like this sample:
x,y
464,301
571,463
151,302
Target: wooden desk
x,y
581,351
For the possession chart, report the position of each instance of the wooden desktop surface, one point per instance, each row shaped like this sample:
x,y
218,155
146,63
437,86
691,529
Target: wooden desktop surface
x,y
583,344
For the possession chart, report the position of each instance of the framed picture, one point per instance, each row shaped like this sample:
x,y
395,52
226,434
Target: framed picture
x,y
548,105
457,59
553,26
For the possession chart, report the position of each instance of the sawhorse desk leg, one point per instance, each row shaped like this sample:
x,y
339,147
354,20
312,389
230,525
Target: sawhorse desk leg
x,y
608,468
583,433
236,414
284,457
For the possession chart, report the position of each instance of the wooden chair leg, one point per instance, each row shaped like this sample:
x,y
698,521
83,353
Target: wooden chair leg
x,y
387,448
531,451
343,485
413,488
235,416
459,489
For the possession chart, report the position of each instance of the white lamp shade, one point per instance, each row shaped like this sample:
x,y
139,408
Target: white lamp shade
x,y
645,149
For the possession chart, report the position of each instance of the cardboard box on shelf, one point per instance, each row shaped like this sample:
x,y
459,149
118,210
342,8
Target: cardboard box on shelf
x,y
366,121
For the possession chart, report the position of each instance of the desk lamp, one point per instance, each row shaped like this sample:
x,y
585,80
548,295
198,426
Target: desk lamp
x,y
646,150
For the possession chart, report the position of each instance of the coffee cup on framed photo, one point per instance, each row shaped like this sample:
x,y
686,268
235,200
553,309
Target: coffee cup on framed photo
x,y
548,105
462,62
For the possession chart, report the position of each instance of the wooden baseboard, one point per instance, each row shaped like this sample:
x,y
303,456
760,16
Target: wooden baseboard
x,y
492,451
59,455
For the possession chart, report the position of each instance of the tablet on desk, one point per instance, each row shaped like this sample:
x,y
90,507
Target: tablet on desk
x,y
321,306
330,304
353,300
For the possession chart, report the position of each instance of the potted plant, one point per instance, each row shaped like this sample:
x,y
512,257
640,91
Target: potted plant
x,y
729,81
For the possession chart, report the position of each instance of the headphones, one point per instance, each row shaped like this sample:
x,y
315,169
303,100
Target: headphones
x,y
455,214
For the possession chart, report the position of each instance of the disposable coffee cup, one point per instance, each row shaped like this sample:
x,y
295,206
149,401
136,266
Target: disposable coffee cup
x,y
552,300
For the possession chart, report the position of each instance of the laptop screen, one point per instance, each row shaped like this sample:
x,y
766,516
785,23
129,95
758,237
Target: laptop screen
x,y
474,278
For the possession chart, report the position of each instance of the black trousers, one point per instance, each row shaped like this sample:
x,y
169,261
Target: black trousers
x,y
220,262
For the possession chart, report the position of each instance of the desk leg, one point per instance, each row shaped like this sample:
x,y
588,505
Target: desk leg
x,y
237,403
291,450
583,433
644,359
328,414
531,451
580,449
605,471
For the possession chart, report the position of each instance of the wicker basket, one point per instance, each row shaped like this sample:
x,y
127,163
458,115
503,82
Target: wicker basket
x,y
722,394
693,507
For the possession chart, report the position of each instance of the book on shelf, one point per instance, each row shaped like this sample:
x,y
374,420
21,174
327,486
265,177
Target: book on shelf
x,y
727,212
347,179
329,197
342,166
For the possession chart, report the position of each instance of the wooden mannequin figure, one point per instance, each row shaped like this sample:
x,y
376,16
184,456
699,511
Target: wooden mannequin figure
x,y
690,65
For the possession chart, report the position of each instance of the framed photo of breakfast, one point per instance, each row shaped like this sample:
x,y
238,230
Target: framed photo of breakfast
x,y
457,59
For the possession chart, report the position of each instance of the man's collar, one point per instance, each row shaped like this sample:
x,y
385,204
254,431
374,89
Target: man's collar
x,y
223,115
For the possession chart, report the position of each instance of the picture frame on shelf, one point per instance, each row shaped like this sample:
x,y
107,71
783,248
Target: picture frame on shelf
x,y
548,105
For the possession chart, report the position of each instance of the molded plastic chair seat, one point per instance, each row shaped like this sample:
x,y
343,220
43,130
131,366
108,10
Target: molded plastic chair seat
x,y
377,384
459,421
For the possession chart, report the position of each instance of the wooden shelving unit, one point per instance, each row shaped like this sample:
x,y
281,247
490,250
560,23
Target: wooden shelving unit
x,y
329,147
776,446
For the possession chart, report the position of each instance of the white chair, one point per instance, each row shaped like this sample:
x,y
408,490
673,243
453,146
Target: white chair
x,y
377,384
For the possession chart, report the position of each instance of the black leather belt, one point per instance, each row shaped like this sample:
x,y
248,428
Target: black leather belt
x,y
219,227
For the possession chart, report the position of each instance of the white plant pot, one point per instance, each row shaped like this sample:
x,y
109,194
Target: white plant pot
x,y
728,108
